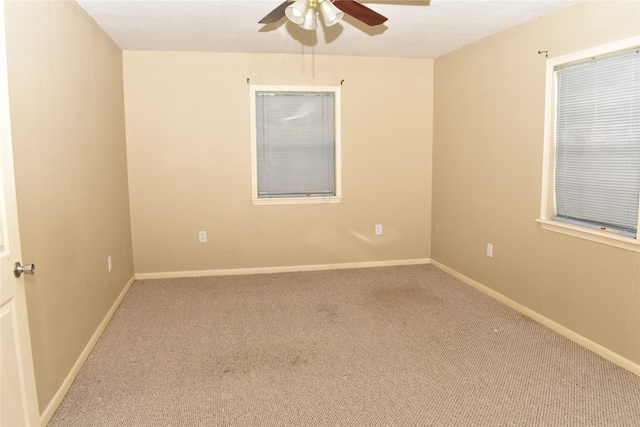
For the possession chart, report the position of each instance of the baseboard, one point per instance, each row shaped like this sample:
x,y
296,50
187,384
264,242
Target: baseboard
x,y
46,415
562,330
282,269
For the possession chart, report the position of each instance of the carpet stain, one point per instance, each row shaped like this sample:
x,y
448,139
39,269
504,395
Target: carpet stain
x,y
398,296
255,362
329,312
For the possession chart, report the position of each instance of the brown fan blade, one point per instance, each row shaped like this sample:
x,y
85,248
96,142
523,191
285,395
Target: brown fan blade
x,y
360,12
275,15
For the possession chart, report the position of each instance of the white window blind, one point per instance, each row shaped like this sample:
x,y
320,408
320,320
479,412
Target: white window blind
x,y
597,171
295,144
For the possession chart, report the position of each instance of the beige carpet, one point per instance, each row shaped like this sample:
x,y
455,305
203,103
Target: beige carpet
x,y
396,346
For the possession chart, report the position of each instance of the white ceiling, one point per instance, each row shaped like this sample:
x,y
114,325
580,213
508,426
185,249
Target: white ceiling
x,y
415,29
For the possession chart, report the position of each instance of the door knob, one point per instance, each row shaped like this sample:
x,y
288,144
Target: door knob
x,y
18,269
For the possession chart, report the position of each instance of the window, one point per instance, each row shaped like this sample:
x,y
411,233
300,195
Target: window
x,y
594,181
295,144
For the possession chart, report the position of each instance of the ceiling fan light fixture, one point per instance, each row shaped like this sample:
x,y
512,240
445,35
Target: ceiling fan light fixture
x,y
305,12
298,11
330,13
309,22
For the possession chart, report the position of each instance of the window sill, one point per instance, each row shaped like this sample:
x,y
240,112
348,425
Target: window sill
x,y
297,200
603,237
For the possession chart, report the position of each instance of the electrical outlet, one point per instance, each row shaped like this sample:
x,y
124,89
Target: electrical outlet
x,y
109,264
202,236
490,250
378,229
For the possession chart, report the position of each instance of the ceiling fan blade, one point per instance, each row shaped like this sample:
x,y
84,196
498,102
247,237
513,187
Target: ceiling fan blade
x,y
360,12
275,15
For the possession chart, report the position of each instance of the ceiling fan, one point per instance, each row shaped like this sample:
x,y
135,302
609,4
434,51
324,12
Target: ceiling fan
x,y
303,12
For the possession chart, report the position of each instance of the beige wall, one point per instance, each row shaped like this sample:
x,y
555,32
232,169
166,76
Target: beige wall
x,y
65,88
487,179
188,144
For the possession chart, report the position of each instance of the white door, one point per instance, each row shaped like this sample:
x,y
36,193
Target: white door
x,y
18,401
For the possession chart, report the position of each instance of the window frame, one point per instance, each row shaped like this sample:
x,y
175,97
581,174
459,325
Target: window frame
x,y
548,202
337,198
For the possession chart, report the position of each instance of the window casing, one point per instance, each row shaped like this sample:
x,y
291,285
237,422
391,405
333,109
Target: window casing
x,y
592,149
295,145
